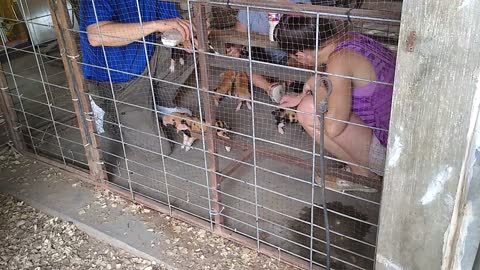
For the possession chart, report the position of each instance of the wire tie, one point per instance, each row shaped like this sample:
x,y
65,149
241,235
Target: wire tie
x,y
4,88
87,144
62,52
215,213
75,99
100,162
348,15
73,56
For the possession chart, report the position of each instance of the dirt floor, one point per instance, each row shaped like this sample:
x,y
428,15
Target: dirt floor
x,y
34,240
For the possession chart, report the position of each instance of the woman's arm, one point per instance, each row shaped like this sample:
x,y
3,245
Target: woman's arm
x,y
109,33
340,100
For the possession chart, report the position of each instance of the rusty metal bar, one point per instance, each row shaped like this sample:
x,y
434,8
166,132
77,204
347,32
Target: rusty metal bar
x,y
212,161
6,105
66,42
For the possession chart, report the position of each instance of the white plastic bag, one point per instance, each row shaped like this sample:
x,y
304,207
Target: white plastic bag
x,y
98,114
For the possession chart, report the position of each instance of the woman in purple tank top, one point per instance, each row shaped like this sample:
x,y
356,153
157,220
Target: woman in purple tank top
x,y
361,71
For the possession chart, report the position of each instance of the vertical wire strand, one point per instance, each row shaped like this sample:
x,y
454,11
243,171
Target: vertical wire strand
x,y
18,94
42,79
253,128
323,106
155,106
312,202
322,160
197,82
114,101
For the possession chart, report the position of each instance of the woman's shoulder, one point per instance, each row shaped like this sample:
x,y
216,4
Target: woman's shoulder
x,y
347,62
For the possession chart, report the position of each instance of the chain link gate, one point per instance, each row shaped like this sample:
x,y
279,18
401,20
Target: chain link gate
x,y
246,168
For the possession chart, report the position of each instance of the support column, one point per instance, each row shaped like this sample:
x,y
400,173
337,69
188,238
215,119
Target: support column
x,y
431,142
66,41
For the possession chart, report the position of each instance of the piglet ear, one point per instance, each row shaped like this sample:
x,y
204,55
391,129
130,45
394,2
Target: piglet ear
x,y
163,120
182,127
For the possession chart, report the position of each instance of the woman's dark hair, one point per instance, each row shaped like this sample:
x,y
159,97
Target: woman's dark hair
x,y
298,33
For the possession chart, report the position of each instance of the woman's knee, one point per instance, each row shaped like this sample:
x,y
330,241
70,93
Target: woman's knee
x,y
306,106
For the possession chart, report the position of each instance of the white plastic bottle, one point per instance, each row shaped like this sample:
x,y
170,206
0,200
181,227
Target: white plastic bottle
x,y
273,20
172,38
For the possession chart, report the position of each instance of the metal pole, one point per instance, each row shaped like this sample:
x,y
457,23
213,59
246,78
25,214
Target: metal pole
x,y
254,144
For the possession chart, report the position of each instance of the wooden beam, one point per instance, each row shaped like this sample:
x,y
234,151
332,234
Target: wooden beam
x,y
284,73
241,38
7,108
437,78
66,41
209,111
390,16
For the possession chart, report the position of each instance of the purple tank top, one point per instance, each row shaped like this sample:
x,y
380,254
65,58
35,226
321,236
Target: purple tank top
x,y
372,102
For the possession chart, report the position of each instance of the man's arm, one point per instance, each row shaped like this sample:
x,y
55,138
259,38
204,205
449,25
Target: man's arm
x,y
109,33
240,27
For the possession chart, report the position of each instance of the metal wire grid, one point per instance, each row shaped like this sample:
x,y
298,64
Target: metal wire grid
x,y
38,88
268,204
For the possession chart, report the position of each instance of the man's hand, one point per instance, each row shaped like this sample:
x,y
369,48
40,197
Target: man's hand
x,y
183,26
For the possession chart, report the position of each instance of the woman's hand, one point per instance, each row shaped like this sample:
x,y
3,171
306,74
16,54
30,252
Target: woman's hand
x,y
291,100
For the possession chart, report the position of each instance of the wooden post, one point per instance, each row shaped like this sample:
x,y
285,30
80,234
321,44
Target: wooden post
x,y
437,91
67,45
6,105
209,114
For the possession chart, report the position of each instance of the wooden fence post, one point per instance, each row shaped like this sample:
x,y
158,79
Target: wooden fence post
x,y
436,93
70,56
212,161
6,106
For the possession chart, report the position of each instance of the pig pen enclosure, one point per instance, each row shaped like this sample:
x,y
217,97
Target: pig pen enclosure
x,y
245,177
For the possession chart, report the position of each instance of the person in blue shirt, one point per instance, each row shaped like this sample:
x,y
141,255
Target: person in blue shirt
x,y
125,70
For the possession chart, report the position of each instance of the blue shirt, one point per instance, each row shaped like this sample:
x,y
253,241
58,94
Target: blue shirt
x,y
259,24
130,58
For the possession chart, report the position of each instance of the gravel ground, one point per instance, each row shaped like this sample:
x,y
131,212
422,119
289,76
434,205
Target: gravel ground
x,y
33,240
30,239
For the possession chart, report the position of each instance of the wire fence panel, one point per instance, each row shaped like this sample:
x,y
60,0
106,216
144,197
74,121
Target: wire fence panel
x,y
37,84
268,121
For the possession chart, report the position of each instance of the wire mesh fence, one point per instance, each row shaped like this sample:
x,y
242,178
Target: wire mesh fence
x,y
266,121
